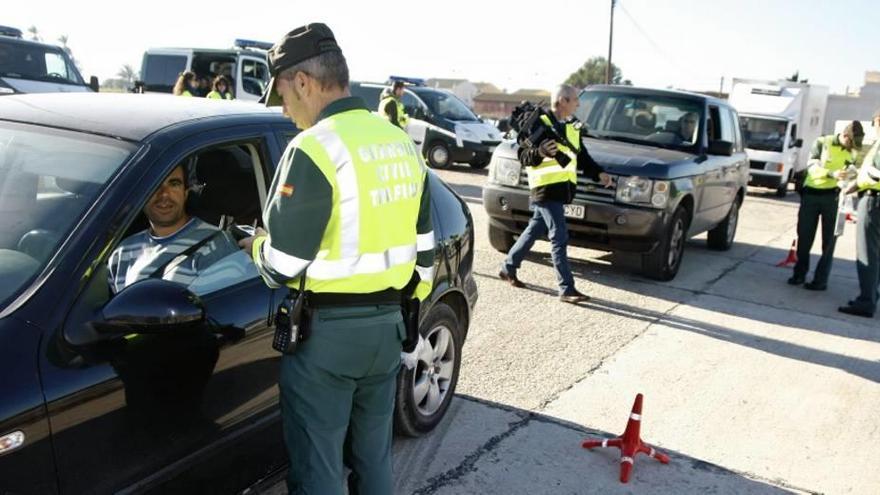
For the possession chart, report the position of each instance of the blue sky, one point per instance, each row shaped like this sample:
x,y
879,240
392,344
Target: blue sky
x,y
657,43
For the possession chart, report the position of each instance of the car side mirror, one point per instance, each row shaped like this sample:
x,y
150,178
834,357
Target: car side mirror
x,y
798,143
721,148
150,306
93,84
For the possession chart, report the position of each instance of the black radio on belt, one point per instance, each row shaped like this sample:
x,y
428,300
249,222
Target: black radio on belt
x,y
291,320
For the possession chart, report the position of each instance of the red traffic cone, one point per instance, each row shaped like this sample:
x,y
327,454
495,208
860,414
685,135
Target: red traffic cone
x,y
791,259
630,443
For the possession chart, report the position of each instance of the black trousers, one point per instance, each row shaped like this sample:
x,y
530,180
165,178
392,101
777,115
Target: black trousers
x,y
813,208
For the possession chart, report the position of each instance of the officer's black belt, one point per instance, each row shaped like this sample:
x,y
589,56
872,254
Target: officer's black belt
x,y
381,298
834,191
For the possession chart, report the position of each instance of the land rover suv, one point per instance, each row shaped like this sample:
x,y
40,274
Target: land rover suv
x,y
679,166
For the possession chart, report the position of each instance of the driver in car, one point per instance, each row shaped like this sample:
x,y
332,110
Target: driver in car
x,y
687,127
176,247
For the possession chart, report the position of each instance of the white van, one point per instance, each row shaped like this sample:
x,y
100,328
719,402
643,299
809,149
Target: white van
x,y
244,65
446,129
779,120
33,67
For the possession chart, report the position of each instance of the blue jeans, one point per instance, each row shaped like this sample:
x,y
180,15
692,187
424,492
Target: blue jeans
x,y
868,253
548,219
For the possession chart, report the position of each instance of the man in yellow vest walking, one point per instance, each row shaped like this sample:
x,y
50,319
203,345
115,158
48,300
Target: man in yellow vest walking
x,y
829,159
868,232
391,107
348,210
551,187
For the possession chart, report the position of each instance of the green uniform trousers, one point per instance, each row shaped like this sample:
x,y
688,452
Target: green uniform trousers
x,y
337,401
813,207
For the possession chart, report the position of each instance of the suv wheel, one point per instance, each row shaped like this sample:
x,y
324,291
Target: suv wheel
x,y
500,239
663,262
721,237
424,393
438,155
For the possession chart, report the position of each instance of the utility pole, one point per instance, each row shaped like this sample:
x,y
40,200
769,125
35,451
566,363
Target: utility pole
x,y
610,42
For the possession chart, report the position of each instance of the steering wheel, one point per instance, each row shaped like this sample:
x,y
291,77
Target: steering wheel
x,y
55,75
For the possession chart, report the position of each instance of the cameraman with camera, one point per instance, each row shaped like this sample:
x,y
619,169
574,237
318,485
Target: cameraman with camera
x,y
553,154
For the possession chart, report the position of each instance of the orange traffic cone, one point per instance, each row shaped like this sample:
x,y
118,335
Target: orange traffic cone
x,y
630,443
791,259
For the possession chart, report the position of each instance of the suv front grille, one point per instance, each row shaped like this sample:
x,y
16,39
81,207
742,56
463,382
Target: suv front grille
x,y
587,190
756,165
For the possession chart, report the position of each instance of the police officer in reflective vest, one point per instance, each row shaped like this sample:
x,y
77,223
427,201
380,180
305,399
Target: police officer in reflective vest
x,y
868,232
829,158
349,210
390,106
552,186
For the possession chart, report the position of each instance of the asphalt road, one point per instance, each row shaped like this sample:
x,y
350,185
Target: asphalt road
x,y
752,386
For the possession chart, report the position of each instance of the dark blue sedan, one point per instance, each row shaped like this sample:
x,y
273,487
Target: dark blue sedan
x,y
103,393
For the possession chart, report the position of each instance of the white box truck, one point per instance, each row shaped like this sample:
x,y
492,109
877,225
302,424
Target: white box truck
x,y
779,121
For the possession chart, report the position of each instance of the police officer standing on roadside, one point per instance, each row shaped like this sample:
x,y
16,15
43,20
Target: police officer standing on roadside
x,y
349,210
868,232
551,187
391,107
829,158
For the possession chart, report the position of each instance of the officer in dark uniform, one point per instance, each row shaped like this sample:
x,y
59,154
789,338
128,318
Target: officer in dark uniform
x,y
829,158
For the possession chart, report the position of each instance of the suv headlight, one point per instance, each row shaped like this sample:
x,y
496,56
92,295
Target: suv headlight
x,y
642,191
504,171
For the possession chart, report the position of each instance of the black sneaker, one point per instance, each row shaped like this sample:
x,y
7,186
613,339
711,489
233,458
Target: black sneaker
x,y
511,280
795,280
814,286
574,298
852,310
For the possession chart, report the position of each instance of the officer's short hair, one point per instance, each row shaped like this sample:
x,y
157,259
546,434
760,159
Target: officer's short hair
x,y
562,91
329,68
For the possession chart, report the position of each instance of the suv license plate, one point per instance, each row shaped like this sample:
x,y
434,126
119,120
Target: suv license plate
x,y
574,211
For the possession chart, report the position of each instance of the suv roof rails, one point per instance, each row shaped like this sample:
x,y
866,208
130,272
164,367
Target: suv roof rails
x,y
10,32
259,45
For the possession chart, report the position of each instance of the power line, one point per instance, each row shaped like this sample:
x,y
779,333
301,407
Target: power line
x,y
651,40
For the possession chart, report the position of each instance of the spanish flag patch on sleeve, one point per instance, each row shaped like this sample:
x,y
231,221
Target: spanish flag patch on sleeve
x,y
285,190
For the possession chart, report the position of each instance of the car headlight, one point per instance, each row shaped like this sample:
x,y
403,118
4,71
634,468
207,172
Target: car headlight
x,y
467,134
504,171
634,190
774,167
641,191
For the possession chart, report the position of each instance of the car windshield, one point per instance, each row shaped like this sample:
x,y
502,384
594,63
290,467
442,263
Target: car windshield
x,y
48,179
653,120
446,105
763,134
36,62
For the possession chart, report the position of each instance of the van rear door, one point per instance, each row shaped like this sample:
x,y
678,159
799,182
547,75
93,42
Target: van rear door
x,y
160,69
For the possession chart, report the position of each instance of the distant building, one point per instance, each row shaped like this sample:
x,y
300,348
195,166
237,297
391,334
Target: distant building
x,y
532,94
484,87
462,88
857,105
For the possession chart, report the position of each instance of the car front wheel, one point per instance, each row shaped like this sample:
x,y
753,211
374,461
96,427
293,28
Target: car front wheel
x,y
438,155
664,261
425,392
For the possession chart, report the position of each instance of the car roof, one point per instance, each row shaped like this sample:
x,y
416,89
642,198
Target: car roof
x,y
22,41
651,91
123,115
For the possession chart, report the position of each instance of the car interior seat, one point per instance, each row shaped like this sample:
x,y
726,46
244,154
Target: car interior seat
x,y
227,191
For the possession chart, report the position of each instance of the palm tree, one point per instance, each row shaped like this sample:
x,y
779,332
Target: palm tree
x,y
128,74
35,36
